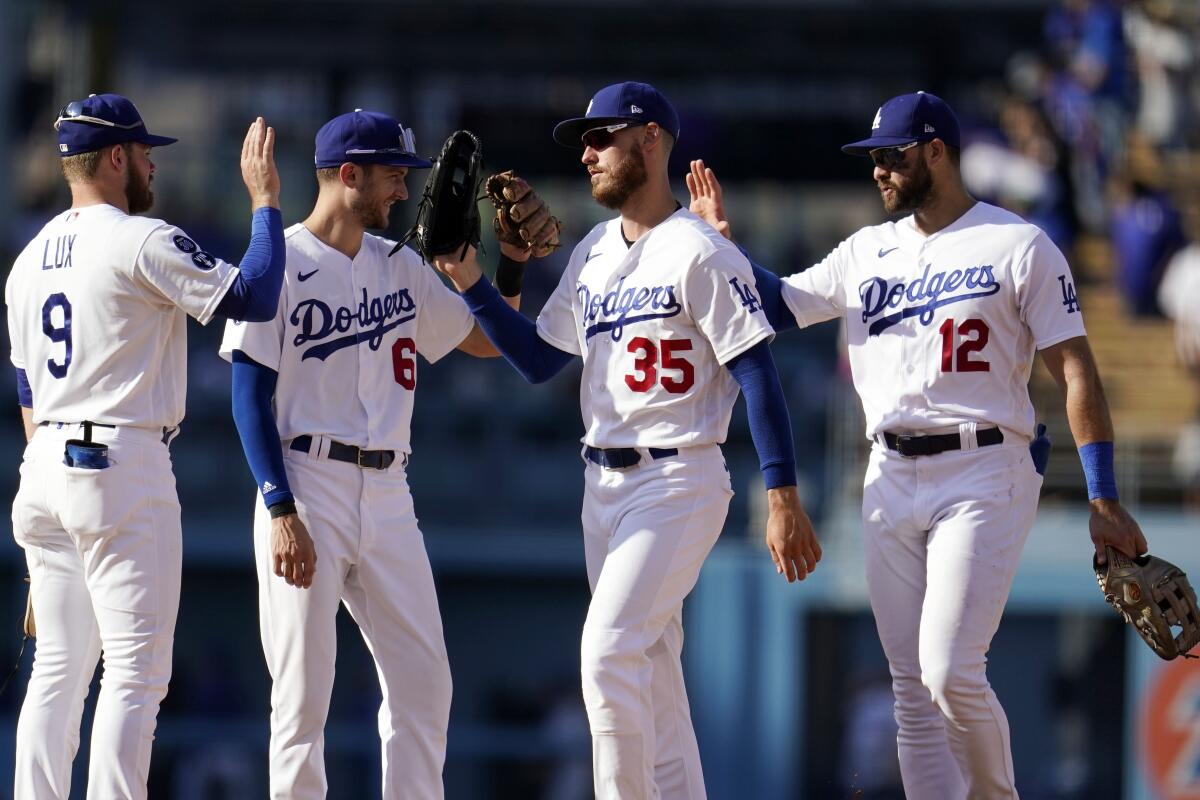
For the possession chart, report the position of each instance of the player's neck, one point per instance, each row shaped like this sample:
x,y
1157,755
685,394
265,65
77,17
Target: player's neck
x,y
339,230
92,194
646,208
943,209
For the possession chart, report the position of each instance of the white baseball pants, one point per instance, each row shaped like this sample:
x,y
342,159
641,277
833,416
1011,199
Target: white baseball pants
x,y
104,549
944,534
647,531
371,556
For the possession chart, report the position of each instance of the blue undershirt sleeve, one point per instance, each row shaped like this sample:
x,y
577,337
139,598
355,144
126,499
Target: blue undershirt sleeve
x,y
514,335
770,425
770,293
253,390
254,294
24,393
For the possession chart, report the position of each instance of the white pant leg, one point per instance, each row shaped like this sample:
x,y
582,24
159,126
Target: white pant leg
x,y
66,652
983,513
390,592
647,532
677,769
895,557
298,626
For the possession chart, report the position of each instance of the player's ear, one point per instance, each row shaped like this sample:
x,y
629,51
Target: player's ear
x,y
652,136
118,157
350,175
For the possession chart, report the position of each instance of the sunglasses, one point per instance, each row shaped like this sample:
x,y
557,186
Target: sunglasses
x,y
602,137
891,157
73,112
408,146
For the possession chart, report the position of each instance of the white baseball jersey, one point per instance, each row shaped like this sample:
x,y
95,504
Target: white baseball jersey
x,y
97,307
942,329
349,330
654,323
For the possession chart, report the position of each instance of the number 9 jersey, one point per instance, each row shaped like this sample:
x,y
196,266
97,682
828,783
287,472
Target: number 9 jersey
x,y
655,322
942,329
97,306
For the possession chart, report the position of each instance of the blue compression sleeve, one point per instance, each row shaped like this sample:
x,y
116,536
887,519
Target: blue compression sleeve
x,y
770,293
514,335
1097,459
254,294
24,393
770,426
253,388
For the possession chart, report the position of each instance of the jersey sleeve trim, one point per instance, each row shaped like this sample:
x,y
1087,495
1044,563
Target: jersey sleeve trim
x,y
1059,338
571,347
211,306
742,345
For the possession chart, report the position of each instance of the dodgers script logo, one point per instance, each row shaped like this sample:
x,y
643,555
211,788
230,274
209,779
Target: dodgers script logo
x,y
928,293
316,321
614,310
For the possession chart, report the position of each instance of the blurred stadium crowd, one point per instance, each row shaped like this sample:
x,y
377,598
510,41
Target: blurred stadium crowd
x,y
1082,115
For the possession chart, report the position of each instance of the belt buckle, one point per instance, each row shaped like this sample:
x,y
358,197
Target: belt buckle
x,y
358,459
902,442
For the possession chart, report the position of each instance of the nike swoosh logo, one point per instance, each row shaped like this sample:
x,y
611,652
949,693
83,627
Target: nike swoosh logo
x,y
883,252
303,276
590,256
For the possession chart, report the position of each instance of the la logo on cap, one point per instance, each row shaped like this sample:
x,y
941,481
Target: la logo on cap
x,y
878,118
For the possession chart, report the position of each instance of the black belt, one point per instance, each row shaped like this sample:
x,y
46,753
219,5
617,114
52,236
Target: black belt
x,y
167,432
622,457
909,445
367,459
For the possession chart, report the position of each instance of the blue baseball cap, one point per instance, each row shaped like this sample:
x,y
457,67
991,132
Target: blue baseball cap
x,y
917,117
621,102
367,137
101,120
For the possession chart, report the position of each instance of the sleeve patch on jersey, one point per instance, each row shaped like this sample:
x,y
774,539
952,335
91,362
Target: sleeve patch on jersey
x,y
203,260
184,243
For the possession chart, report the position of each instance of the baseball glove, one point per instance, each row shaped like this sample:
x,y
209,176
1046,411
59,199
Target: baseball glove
x,y
448,216
522,218
1155,597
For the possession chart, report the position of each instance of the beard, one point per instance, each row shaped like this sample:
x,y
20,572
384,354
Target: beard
x,y
137,192
369,212
915,195
615,188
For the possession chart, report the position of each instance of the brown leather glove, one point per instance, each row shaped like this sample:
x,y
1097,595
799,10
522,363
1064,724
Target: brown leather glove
x,y
522,218
1155,597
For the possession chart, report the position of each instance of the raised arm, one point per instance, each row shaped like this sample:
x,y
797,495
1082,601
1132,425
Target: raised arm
x,y
1074,369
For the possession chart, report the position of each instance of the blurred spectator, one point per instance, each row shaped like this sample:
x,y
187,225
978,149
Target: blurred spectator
x,y
1163,53
1177,295
1146,228
1025,171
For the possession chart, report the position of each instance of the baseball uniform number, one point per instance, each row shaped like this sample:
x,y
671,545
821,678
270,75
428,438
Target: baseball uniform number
x,y
647,359
977,331
404,363
58,333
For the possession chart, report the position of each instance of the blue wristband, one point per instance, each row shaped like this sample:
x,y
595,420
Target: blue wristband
x,y
1097,459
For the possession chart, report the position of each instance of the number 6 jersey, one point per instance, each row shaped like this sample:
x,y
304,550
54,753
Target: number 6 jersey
x,y
655,322
97,307
942,328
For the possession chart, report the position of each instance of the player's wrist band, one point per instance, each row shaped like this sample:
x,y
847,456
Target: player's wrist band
x,y
1097,460
282,508
508,276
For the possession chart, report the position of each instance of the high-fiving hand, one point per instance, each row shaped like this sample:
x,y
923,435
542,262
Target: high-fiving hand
x,y
258,165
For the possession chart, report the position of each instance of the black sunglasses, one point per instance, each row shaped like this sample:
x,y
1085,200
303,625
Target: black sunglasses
x,y
891,157
602,137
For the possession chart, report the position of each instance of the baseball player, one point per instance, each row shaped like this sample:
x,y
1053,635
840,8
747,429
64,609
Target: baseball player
x,y
664,313
944,309
323,398
97,306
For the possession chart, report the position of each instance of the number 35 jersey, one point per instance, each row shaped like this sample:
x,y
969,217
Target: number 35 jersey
x,y
942,329
97,316
655,322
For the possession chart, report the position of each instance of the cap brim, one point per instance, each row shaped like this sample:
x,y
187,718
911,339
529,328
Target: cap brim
x,y
865,146
383,159
568,133
156,141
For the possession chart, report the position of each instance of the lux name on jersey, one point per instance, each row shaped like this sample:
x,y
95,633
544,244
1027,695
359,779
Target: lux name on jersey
x,y
316,321
878,295
62,252
611,311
